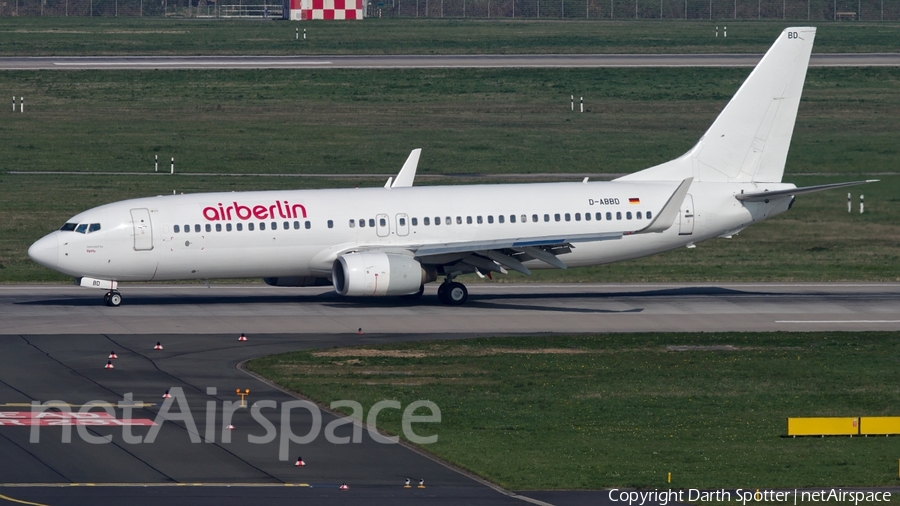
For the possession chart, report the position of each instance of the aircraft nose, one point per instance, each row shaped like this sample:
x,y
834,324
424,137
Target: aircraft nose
x,y
45,251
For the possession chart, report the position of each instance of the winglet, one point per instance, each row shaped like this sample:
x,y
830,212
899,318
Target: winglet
x,y
408,172
666,217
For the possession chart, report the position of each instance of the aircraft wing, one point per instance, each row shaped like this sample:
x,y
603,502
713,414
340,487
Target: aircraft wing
x,y
511,252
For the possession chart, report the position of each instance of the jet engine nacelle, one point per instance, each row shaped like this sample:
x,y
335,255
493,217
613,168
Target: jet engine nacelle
x,y
371,273
297,281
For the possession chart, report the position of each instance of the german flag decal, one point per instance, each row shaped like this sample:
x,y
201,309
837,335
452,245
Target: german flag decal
x,y
634,201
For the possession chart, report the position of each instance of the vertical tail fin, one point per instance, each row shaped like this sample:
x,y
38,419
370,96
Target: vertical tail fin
x,y
749,140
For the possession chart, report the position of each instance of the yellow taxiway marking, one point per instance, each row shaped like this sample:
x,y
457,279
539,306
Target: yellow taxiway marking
x,y
19,501
64,404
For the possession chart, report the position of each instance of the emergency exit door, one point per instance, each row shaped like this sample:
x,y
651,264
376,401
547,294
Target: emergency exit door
x,y
686,224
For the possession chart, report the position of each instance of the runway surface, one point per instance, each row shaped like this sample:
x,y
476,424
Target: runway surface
x,y
430,61
491,308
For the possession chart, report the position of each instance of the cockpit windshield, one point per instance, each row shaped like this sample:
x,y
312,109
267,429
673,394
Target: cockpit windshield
x,y
83,228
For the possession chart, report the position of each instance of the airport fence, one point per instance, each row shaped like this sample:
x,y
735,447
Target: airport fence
x,y
794,10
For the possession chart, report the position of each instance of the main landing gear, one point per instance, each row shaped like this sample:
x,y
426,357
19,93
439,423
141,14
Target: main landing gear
x,y
112,298
452,293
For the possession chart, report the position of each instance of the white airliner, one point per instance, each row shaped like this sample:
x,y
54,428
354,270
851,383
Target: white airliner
x,y
393,240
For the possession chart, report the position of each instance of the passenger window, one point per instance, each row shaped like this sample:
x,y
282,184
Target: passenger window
x,y
415,222
250,226
437,220
94,227
628,215
176,228
262,225
296,225
330,224
372,222
228,227
196,228
608,216
599,216
468,220
648,215
534,218
382,222
478,220
459,220
275,225
352,223
512,218
287,225
524,219
587,216
500,218
546,217
218,227
187,228
448,221
402,222
362,223
240,227
490,219
618,215
308,225
426,220
638,215
577,216
568,217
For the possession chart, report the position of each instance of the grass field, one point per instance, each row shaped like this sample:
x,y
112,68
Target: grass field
x,y
471,123
36,36
587,412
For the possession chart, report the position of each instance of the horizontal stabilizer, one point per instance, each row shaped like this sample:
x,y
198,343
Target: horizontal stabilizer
x,y
763,196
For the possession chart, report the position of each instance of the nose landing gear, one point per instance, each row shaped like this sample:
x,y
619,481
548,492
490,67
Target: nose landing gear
x,y
112,298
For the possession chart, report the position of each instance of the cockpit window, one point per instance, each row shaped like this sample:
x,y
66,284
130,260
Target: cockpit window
x,y
82,229
94,227
69,227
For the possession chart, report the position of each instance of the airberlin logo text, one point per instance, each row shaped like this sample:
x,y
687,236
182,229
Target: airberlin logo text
x,y
236,211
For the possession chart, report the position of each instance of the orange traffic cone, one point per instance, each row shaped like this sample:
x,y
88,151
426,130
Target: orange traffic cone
x,y
109,365
407,485
359,331
344,487
112,355
166,395
243,337
299,462
158,346
421,483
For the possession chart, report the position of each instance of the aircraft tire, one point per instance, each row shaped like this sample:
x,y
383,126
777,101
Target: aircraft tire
x,y
115,299
442,293
106,298
456,294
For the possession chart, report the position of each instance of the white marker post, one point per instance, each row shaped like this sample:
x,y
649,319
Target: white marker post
x,y
849,204
14,103
155,163
572,102
582,104
21,104
297,36
717,32
862,205
725,32
304,34
172,168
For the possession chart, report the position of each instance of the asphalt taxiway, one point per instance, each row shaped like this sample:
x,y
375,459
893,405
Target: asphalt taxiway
x,y
429,61
491,308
